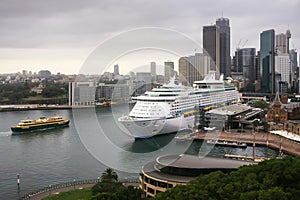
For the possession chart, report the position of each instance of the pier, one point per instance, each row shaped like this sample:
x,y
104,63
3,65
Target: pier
x,y
265,139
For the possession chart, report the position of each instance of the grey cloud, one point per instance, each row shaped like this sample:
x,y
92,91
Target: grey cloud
x,y
76,23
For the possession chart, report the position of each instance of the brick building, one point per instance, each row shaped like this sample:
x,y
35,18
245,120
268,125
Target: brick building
x,y
278,113
281,114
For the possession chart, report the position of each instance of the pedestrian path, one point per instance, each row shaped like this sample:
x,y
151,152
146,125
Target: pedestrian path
x,y
57,191
62,187
288,135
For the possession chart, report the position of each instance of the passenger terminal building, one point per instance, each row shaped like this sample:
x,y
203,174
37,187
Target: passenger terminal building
x,y
171,170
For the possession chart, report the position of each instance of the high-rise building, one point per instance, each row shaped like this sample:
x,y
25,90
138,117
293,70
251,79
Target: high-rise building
x,y
282,42
114,92
225,63
294,70
153,68
267,61
211,44
257,67
283,68
288,37
116,70
146,78
169,71
153,71
82,93
193,68
246,64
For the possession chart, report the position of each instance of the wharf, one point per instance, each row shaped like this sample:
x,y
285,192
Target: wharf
x,y
265,139
40,107
247,158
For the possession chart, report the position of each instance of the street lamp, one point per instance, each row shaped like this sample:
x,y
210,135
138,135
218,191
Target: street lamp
x,y
74,183
49,190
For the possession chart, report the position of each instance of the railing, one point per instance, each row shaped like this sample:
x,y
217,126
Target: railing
x,y
72,183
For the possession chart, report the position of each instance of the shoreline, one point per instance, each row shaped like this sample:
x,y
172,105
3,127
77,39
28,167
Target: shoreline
x,y
43,107
264,139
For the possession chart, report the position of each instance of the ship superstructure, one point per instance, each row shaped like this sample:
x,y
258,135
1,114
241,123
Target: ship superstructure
x,y
171,108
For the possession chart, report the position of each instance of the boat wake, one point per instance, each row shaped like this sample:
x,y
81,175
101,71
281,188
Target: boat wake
x,y
6,133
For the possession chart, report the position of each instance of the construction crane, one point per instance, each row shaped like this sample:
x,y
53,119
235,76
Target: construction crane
x,y
237,50
244,43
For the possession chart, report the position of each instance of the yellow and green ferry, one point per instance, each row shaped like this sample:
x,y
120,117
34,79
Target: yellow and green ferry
x,y
42,123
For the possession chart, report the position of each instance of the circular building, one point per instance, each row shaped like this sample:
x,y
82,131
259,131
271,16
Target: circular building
x,y
170,170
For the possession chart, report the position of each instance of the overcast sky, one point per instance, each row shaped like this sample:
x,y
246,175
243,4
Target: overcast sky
x,y
59,35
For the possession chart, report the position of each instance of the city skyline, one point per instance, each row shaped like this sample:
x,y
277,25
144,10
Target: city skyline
x,y
59,36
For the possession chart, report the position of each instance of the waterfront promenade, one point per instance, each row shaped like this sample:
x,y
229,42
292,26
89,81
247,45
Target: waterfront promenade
x,y
271,140
58,188
23,107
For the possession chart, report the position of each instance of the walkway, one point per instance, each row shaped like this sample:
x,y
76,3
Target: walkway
x,y
266,139
58,188
48,192
288,135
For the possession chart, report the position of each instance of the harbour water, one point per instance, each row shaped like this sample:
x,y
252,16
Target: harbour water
x,y
93,141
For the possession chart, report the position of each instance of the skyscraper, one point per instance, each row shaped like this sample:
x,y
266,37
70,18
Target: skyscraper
x,y
146,78
283,68
116,69
193,68
267,61
225,64
282,42
169,71
294,70
153,71
153,68
211,44
245,63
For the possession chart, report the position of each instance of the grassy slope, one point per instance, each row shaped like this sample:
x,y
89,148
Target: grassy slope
x,y
77,194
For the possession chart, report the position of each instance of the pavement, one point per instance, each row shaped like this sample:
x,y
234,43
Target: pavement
x,y
288,135
55,191
277,141
58,190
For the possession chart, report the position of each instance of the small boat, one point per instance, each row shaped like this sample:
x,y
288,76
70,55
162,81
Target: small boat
x,y
42,123
185,137
209,129
227,143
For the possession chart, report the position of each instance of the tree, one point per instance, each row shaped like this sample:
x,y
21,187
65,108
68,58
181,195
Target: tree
x,y
260,104
272,179
109,175
53,91
110,189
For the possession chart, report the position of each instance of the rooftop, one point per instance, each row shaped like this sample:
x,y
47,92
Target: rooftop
x,y
188,162
195,162
230,110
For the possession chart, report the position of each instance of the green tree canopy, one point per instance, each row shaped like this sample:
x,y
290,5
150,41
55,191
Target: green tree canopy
x,y
260,104
109,175
273,179
110,189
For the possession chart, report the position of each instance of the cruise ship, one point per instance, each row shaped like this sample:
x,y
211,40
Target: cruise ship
x,y
42,123
172,108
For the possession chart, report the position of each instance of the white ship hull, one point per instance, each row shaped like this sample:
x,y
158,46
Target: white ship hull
x,y
151,127
172,108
